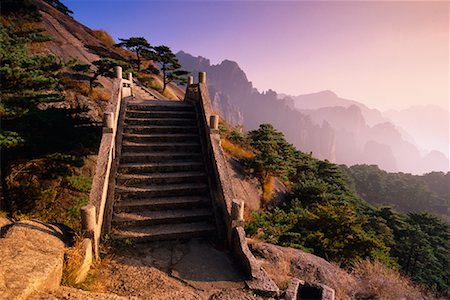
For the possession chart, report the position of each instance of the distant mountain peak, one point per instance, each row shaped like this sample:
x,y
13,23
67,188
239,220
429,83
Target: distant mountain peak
x,y
327,93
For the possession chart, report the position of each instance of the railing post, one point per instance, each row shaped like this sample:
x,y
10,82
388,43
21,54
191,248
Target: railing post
x,y
130,76
108,122
88,226
214,123
190,80
237,213
201,77
118,71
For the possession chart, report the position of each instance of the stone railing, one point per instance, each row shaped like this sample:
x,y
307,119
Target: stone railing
x,y
228,208
95,217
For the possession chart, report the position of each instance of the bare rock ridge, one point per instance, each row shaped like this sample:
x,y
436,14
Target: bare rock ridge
x,y
340,130
236,98
162,188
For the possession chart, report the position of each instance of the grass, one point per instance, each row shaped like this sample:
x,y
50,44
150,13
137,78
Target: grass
x,y
235,150
99,94
79,183
73,212
377,281
73,259
267,189
104,37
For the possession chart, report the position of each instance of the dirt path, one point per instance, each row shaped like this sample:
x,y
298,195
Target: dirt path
x,y
173,270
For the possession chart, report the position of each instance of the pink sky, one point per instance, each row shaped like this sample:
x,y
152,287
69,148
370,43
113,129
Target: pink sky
x,y
385,54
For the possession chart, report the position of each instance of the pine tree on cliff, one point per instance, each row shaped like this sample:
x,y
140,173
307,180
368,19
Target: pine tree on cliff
x,y
170,67
137,45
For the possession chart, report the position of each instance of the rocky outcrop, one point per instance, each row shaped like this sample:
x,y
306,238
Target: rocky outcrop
x,y
32,259
236,99
285,264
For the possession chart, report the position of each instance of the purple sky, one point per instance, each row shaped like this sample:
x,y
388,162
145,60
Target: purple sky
x,y
385,54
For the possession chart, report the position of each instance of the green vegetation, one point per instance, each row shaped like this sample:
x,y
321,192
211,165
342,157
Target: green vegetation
x,y
43,141
170,67
405,192
162,55
80,183
103,67
137,45
323,215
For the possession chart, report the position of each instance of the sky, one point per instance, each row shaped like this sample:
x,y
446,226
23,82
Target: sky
x,y
386,54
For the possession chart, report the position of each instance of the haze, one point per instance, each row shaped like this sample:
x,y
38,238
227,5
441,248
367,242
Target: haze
x,y
388,55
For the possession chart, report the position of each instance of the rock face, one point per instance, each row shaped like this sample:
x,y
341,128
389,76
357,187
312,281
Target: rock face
x,y
239,102
32,256
340,130
4,224
283,264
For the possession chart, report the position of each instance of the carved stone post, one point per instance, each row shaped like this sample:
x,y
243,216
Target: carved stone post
x,y
190,80
118,71
201,77
89,224
108,122
214,123
237,213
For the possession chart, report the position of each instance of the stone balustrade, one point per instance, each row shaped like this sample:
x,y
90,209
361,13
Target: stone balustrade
x,y
94,214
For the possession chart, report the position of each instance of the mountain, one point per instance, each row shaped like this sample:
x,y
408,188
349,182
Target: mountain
x,y
234,96
330,99
428,124
340,130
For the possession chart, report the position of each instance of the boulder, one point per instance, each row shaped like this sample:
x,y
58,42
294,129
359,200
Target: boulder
x,y
32,259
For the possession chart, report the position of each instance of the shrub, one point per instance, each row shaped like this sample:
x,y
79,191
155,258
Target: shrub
x,y
376,281
104,37
235,150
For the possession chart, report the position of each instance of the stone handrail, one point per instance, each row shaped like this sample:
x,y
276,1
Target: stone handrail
x,y
94,214
222,192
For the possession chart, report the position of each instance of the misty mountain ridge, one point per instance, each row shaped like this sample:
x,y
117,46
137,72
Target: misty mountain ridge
x,y
340,130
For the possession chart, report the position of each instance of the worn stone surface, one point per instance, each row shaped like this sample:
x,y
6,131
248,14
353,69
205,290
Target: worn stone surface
x,y
68,293
283,263
292,289
172,270
247,189
260,282
32,259
4,224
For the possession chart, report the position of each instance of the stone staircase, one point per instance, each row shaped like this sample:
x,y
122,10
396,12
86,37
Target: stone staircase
x,y
162,189
141,93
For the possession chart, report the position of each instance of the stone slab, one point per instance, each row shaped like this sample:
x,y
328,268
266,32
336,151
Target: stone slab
x,y
32,255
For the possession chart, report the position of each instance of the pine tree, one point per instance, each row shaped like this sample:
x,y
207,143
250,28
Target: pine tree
x,y
137,45
103,67
170,67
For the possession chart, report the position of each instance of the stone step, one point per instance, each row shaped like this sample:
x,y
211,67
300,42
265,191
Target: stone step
x,y
145,114
152,217
160,147
162,203
161,178
160,129
131,157
164,232
169,190
161,137
160,121
155,106
166,166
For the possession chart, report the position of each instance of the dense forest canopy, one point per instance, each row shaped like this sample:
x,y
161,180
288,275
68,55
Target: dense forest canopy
x,y
323,215
404,192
